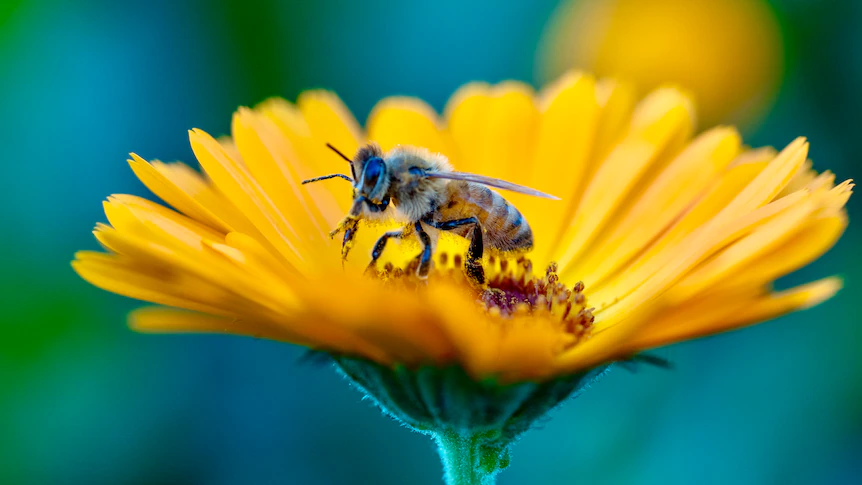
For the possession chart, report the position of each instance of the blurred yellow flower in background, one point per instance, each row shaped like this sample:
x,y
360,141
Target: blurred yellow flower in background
x,y
728,53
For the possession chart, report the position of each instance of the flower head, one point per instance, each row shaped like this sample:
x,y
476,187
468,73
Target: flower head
x,y
660,236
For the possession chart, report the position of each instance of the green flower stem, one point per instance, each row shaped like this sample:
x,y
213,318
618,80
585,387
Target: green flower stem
x,y
474,422
470,459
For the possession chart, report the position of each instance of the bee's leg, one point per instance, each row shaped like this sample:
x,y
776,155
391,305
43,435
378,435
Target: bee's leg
x,y
381,244
473,263
343,224
349,234
348,225
425,256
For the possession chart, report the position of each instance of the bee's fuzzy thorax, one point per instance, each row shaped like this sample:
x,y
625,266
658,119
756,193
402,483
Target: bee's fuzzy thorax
x,y
415,195
420,157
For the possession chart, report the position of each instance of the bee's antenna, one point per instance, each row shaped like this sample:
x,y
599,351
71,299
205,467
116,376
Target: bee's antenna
x,y
338,152
326,177
352,171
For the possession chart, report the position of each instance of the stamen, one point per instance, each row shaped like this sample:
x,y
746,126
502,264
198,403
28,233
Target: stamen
x,y
513,292
510,291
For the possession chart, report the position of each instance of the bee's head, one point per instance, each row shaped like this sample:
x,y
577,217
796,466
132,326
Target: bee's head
x,y
372,179
373,182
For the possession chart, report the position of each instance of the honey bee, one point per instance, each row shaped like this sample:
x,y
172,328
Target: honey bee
x,y
419,187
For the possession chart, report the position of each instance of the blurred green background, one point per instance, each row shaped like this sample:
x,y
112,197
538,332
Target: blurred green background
x,y
83,400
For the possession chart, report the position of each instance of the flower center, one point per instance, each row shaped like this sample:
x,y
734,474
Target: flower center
x,y
511,290
514,290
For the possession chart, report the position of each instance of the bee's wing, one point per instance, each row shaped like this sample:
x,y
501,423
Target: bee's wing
x,y
490,182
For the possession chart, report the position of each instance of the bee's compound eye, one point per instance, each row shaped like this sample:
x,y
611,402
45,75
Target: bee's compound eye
x,y
373,171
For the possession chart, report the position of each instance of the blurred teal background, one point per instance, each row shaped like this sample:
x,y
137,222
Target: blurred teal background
x,y
83,400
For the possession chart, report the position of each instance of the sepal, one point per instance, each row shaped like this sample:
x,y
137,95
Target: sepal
x,y
474,422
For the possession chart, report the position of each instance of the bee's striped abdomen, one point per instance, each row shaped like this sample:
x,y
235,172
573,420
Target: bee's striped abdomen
x,y
505,227
520,236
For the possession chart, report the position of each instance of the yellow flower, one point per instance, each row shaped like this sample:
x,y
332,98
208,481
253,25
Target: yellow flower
x,y
673,236
729,53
